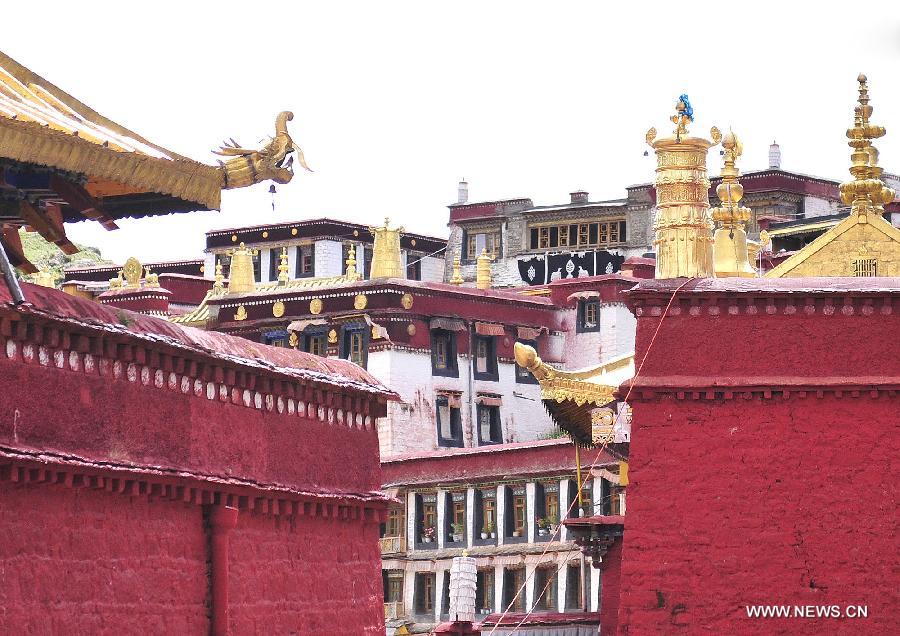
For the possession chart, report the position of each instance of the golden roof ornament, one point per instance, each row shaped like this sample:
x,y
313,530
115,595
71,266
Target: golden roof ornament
x,y
283,268
351,264
241,278
150,279
683,238
730,252
386,252
219,285
483,270
132,271
457,278
117,282
866,192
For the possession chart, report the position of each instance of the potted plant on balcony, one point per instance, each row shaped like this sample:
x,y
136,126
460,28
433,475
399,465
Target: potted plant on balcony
x,y
457,534
543,526
490,529
428,534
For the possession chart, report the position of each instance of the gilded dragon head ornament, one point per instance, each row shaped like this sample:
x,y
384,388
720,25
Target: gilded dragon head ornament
x,y
274,161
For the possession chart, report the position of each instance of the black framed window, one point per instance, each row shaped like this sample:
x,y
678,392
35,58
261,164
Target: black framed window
x,y
355,344
425,593
367,261
513,580
588,318
489,429
426,521
484,592
449,420
455,518
523,375
443,353
305,262
274,262
475,242
256,265
485,517
573,587
545,590
316,342
276,338
486,358
414,267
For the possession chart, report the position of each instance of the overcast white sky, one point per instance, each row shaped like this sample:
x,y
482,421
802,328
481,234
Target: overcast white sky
x,y
394,102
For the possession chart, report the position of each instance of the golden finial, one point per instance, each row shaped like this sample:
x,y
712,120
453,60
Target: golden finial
x,y
683,240
132,270
386,252
219,285
457,278
241,279
351,264
866,192
283,268
730,254
483,270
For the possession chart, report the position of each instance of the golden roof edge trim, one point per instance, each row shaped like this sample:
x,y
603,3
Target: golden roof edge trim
x,y
29,142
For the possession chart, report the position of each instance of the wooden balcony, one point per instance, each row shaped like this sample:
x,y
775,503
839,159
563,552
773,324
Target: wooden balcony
x,y
393,610
393,545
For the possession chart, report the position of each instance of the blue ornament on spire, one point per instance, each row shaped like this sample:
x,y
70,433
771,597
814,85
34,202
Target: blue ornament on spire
x,y
688,109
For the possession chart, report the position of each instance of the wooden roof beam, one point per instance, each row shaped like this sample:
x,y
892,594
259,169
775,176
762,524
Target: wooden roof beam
x,y
81,201
12,244
48,224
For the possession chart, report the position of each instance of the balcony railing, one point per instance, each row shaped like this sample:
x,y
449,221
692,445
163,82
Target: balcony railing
x,y
393,610
393,545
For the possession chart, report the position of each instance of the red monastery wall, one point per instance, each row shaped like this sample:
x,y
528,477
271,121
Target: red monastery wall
x,y
87,562
762,465
157,479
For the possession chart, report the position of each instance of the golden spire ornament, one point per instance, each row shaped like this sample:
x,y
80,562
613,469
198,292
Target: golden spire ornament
x,y
730,254
683,238
219,285
283,268
457,278
386,252
241,278
483,270
351,264
866,193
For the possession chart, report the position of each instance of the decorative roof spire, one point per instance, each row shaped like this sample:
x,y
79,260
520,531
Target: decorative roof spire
x,y
241,278
219,285
866,192
386,252
283,267
457,278
483,270
351,263
683,239
730,256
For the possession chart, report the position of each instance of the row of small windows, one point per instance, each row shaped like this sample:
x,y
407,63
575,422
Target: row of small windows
x,y
444,357
353,343
449,421
545,589
596,234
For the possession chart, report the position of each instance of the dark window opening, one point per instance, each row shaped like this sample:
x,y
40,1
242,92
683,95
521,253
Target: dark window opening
x,y
489,430
355,345
425,593
414,267
276,338
485,517
443,353
545,590
486,358
367,262
316,343
305,267
484,592
256,266
588,316
513,591
449,420
455,517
